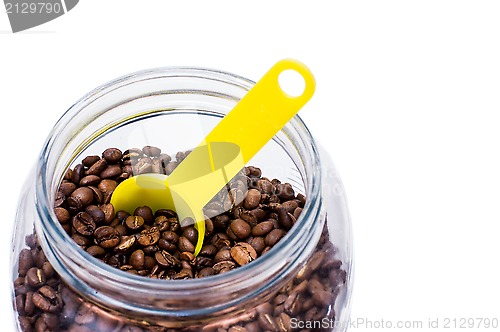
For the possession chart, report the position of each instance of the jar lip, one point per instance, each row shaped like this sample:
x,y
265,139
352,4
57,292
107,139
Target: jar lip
x,y
229,280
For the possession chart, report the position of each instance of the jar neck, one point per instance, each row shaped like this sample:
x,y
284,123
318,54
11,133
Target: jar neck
x,y
183,299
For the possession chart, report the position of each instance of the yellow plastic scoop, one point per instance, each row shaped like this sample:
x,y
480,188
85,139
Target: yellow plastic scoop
x,y
259,115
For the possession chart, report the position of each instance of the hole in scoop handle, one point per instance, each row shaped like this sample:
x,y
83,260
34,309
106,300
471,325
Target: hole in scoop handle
x,y
263,111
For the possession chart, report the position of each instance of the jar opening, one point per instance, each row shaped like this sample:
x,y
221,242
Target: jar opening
x,y
153,94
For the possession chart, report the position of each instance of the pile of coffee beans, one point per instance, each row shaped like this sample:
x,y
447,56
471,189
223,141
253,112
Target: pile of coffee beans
x,y
247,218
250,216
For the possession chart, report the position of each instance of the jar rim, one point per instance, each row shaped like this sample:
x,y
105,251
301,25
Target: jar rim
x,y
55,238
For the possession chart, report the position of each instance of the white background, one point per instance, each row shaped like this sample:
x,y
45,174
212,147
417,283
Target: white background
x,y
407,104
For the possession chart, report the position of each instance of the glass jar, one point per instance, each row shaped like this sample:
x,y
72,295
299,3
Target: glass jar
x,y
302,283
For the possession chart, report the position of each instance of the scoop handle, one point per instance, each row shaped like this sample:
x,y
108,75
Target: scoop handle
x,y
263,111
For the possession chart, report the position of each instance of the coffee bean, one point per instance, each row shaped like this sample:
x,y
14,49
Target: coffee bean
x,y
286,219
137,259
146,213
149,236
89,180
134,222
208,250
83,196
165,259
252,199
241,228
67,188
25,262
35,277
274,236
47,299
170,167
109,212
224,266
191,234
223,255
78,173
151,151
262,228
96,213
112,155
258,244
97,167
111,171
96,251
143,166
205,272
84,224
185,245
107,186
106,237
126,244
98,195
90,160
243,253
81,240
265,186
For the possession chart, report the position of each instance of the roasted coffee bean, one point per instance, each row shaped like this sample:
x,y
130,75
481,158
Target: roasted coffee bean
x,y
109,212
258,244
84,224
48,270
81,240
35,277
165,212
67,188
241,228
144,165
170,167
97,167
106,237
90,160
137,259
253,171
134,223
165,259
191,234
286,219
224,266
107,186
96,251
205,272
47,299
111,171
274,236
25,262
221,222
243,253
208,250
78,173
185,245
261,229
83,196
126,244
297,212
98,195
112,155
151,151
146,213
96,213
151,250
223,255
265,186
90,180
252,199
149,236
